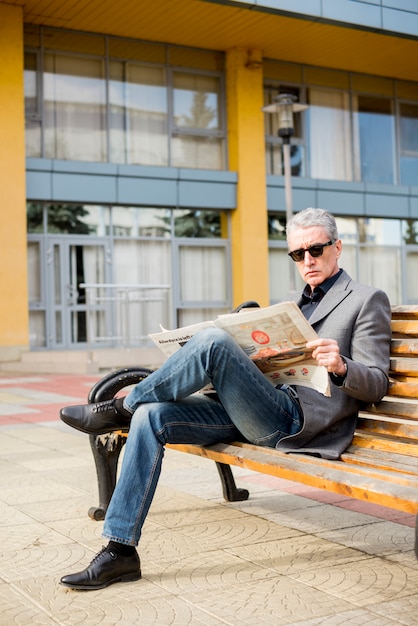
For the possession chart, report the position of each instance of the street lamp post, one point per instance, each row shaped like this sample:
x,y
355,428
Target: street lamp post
x,y
285,105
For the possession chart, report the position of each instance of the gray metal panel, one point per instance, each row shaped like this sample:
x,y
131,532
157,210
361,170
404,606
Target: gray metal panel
x,y
83,188
38,185
414,206
145,171
341,202
147,191
387,205
209,195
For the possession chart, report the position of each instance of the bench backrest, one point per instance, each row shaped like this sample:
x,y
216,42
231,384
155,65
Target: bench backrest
x,y
391,426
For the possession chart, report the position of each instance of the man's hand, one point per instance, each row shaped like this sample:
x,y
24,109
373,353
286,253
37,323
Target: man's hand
x,y
327,353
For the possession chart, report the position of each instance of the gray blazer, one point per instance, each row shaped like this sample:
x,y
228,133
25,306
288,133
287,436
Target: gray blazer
x,y
358,318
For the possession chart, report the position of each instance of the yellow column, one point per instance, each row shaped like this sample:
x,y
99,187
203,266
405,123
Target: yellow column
x,y
13,266
244,90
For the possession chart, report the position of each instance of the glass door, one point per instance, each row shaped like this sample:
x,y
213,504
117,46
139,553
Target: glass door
x,y
73,319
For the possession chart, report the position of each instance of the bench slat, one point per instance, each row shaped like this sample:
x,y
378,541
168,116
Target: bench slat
x,y
409,328
405,410
403,389
388,444
404,347
397,491
405,430
382,460
405,311
404,366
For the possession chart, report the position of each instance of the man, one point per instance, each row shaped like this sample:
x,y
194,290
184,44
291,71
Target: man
x,y
353,324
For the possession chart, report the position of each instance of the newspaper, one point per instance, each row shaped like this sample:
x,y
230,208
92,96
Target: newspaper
x,y
273,337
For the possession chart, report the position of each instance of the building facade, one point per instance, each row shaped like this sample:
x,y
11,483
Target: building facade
x,y
143,184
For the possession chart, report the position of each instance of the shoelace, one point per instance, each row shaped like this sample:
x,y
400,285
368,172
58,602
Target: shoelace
x,y
100,555
102,407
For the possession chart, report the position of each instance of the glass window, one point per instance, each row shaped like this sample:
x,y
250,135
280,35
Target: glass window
x,y
371,261
35,217
374,139
135,222
198,223
198,152
328,119
274,151
32,113
408,126
411,276
75,112
138,114
203,274
78,219
196,101
130,99
410,232
196,122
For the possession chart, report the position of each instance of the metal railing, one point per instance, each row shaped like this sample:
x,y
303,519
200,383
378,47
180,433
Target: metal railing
x,y
123,315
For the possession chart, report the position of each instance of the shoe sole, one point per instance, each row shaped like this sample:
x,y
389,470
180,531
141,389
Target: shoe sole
x,y
121,579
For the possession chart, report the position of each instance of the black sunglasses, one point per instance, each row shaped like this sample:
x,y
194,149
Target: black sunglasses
x,y
315,251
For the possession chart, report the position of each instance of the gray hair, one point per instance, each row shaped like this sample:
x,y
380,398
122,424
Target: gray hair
x,y
313,217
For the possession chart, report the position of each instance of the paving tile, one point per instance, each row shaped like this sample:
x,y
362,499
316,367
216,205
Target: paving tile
x,y
362,582
295,554
17,608
277,601
138,602
314,519
63,509
205,571
380,538
405,611
356,617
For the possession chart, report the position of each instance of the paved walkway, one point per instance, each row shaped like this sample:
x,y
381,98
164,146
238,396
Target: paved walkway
x,y
289,555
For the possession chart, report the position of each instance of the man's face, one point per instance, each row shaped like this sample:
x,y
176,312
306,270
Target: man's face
x,y
315,270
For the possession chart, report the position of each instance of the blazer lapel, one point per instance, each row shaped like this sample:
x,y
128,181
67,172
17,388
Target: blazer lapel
x,y
332,298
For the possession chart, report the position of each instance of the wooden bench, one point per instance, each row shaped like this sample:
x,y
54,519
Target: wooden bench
x,y
380,466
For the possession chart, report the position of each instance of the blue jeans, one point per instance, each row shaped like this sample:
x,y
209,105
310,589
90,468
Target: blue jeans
x,y
165,411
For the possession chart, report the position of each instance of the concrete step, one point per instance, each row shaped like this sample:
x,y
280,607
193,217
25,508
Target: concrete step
x,y
83,361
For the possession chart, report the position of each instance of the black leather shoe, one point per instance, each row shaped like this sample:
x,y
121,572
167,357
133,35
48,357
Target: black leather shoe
x,y
97,418
106,568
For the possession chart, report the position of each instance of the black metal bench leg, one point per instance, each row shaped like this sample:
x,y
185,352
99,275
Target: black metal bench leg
x,y
106,451
231,492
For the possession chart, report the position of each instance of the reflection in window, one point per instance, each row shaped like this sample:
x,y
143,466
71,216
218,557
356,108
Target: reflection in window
x,y
329,134
35,217
136,222
275,160
196,122
410,233
203,274
74,102
32,115
374,139
197,223
77,219
138,114
409,143
274,150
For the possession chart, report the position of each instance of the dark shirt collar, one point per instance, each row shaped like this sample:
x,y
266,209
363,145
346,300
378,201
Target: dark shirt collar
x,y
320,290
310,299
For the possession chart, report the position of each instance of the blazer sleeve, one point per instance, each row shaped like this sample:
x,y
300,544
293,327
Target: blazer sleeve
x,y
369,359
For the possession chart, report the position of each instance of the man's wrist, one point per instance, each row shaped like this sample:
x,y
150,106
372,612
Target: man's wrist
x,y
343,370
